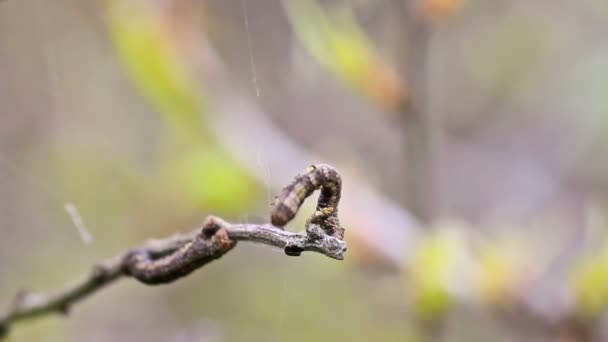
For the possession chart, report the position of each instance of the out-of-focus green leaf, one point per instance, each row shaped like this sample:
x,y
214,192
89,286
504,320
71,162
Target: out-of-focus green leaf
x,y
589,278
147,42
433,267
338,44
343,48
148,51
212,181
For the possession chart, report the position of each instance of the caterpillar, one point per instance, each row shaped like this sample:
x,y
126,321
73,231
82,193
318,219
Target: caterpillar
x,y
319,176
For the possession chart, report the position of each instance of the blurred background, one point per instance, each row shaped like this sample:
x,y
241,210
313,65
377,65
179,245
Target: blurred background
x,y
471,137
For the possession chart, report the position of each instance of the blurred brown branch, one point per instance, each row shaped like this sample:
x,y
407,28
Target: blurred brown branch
x,y
166,260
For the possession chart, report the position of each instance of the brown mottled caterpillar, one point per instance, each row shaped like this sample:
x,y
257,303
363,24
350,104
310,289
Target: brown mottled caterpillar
x,y
320,176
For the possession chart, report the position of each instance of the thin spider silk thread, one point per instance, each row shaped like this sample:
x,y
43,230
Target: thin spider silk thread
x,y
254,76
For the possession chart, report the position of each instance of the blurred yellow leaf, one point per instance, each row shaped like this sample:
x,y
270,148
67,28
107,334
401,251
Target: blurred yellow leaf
x,y
147,40
212,181
437,260
341,47
143,40
499,271
589,280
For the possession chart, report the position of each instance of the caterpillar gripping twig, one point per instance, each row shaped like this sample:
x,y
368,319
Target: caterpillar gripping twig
x,y
320,176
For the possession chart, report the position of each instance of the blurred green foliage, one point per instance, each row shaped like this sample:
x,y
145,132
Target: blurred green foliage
x,y
211,180
343,47
337,42
154,59
151,57
588,279
432,272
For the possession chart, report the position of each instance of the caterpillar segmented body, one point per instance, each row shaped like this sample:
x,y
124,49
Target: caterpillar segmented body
x,y
320,176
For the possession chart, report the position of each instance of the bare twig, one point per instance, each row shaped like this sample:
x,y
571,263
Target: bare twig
x,y
166,260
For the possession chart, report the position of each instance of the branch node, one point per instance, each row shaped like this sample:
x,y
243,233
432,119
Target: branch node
x,y
212,242
211,225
